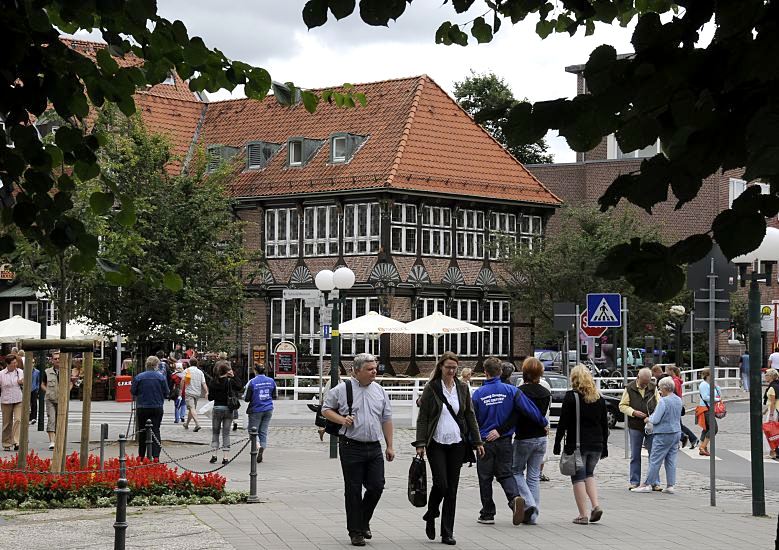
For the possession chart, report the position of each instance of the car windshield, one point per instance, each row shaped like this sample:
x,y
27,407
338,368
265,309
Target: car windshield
x,y
557,382
547,356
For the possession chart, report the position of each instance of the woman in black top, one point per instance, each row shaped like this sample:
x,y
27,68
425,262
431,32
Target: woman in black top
x,y
220,388
530,440
593,439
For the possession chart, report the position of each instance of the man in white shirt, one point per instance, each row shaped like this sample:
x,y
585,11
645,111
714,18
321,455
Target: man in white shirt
x,y
773,359
193,388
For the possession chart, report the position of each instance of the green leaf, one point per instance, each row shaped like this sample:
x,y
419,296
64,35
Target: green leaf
x,y
691,249
442,34
360,97
457,36
377,13
126,216
68,138
738,233
7,244
86,170
481,31
544,28
106,61
341,8
310,101
55,154
461,6
82,263
100,202
315,13
173,281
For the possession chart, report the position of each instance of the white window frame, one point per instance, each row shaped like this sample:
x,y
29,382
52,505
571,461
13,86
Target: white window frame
x,y
356,239
736,186
295,145
34,307
503,234
289,244
352,308
436,236
531,230
497,321
470,234
424,345
465,345
343,157
11,307
403,228
613,152
315,244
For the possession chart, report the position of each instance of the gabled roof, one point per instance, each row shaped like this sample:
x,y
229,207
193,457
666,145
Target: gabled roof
x,y
419,139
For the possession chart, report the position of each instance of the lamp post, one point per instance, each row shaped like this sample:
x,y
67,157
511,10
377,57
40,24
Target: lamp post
x,y
326,281
677,312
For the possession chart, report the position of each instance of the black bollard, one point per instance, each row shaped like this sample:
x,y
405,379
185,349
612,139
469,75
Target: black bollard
x,y
103,437
149,436
253,498
122,495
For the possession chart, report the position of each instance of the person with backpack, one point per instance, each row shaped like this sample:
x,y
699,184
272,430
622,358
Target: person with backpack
x,y
362,408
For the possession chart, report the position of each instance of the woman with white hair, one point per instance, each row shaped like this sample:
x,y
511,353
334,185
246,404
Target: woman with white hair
x,y
665,426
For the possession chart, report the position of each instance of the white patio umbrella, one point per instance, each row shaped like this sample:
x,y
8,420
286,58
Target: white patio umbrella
x,y
373,323
17,327
438,324
76,329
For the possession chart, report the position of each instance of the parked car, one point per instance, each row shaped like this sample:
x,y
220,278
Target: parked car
x,y
557,364
546,356
560,385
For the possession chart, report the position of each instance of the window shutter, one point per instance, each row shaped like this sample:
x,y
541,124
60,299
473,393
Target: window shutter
x,y
254,156
213,158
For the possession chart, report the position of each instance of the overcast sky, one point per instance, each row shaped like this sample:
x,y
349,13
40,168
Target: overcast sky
x,y
271,34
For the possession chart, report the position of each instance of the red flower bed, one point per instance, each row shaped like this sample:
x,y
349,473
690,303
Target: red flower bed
x,y
148,480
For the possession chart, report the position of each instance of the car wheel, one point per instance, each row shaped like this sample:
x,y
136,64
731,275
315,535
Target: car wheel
x,y
611,419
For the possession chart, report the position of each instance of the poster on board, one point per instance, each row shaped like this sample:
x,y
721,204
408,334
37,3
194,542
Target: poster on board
x,y
285,364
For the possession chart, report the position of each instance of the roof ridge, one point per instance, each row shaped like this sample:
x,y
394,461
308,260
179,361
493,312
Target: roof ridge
x,y
503,147
406,129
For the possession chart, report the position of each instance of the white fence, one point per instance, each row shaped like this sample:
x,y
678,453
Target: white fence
x,y
405,391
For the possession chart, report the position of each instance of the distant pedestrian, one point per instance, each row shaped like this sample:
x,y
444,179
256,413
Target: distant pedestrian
x,y
34,392
193,389
239,382
360,442
445,422
593,437
494,403
771,401
50,384
221,389
150,390
702,410
664,424
773,359
743,364
11,384
259,394
530,440
179,404
638,401
465,376
687,433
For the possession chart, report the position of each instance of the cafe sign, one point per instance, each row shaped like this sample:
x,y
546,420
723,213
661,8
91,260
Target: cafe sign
x,y
285,363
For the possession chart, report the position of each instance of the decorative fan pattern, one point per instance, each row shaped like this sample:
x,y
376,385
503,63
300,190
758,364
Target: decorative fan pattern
x,y
453,277
266,278
301,276
486,278
418,276
384,274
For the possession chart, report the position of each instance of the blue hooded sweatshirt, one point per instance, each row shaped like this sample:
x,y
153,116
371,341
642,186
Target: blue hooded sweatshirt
x,y
494,402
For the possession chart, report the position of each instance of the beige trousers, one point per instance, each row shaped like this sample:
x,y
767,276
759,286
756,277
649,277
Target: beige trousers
x,y
12,420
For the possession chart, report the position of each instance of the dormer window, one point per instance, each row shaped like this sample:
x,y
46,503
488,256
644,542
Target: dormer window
x,y
300,150
295,152
259,153
217,154
343,147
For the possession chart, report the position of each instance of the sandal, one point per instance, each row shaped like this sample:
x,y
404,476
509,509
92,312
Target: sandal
x,y
596,514
581,520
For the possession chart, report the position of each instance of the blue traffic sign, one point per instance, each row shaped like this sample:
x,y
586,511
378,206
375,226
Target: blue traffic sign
x,y
604,310
326,332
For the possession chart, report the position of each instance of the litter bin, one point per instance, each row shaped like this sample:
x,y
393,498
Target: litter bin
x,y
123,394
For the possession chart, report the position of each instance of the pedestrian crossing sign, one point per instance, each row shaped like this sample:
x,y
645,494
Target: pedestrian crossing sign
x,y
604,310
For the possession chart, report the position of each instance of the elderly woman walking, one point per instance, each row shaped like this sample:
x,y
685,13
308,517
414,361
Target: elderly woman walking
x,y
665,425
11,379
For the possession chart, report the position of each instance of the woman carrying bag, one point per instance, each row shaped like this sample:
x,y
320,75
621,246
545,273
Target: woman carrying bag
x,y
223,390
446,430
584,426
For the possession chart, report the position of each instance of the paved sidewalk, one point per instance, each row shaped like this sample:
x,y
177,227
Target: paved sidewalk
x,y
302,508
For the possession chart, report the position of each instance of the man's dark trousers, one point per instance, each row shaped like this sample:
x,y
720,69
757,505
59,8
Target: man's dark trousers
x,y
363,466
496,464
155,415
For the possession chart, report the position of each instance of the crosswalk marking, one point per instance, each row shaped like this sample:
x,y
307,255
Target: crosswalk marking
x,y
747,455
695,454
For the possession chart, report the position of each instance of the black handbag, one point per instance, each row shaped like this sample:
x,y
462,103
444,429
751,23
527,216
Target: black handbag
x,y
331,427
417,482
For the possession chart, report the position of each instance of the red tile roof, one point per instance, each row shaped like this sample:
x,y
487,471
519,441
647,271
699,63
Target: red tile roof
x,y
177,120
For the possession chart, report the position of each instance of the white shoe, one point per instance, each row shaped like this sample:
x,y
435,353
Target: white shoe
x,y
670,490
51,446
642,489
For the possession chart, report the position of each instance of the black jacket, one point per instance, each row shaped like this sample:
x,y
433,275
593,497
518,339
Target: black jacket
x,y
594,425
219,389
431,406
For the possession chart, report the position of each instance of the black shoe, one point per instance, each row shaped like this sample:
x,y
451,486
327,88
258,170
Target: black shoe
x,y
235,426
448,540
544,478
225,460
367,534
357,540
528,516
259,454
213,460
430,528
685,439
487,520
197,429
16,447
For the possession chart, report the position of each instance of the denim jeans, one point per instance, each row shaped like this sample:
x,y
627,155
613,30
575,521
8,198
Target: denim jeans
x,y
496,464
665,449
363,466
261,421
180,409
221,421
637,439
526,467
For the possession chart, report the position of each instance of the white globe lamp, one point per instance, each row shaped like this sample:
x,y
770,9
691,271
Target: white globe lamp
x,y
325,280
344,278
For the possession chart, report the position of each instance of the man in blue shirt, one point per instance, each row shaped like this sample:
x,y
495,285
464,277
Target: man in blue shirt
x,y
259,394
150,390
493,403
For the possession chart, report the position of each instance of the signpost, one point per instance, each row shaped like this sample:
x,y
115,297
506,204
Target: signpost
x,y
565,320
589,330
603,310
285,360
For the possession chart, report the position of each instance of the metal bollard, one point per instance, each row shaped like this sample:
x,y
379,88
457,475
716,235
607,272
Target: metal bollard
x,y
149,436
103,437
122,495
253,498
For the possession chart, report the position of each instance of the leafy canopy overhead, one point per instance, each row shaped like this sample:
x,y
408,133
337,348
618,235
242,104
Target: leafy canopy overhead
x,y
713,108
483,92
39,72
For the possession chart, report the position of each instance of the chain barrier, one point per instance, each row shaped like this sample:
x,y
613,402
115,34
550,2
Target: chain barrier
x,y
208,451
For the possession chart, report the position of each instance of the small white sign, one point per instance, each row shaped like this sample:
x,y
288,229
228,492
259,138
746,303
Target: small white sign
x,y
326,316
301,294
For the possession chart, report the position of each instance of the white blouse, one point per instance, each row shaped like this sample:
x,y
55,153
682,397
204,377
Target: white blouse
x,y
447,431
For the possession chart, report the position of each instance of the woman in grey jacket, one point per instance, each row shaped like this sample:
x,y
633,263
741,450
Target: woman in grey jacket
x,y
445,437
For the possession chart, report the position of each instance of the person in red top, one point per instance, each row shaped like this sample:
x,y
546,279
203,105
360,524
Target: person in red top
x,y
687,434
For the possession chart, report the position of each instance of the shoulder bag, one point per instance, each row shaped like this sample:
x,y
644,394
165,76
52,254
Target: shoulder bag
x,y
570,463
469,455
233,402
417,482
333,428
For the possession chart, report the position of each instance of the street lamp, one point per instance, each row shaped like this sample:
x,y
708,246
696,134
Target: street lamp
x,y
326,281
